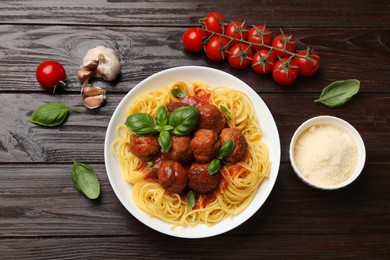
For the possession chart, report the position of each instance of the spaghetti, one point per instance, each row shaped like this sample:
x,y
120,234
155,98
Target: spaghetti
x,y
239,182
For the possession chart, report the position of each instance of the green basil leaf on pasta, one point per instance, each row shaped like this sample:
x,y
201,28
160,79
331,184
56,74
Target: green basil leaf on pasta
x,y
51,114
141,124
339,92
226,149
214,166
85,180
162,116
190,199
226,111
183,120
164,139
150,166
179,93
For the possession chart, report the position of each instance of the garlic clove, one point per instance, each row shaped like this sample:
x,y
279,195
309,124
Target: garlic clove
x,y
92,65
85,74
108,66
90,91
92,102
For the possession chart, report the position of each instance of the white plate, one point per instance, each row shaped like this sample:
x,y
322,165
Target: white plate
x,y
213,78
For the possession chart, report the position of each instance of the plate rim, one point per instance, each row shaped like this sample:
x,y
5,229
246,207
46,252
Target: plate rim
x,y
207,231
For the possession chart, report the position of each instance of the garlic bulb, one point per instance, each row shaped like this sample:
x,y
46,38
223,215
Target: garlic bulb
x,y
103,61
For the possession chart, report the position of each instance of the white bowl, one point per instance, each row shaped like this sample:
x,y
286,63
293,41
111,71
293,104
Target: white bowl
x,y
330,120
213,78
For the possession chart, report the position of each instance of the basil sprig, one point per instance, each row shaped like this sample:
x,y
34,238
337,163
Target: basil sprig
x,y
179,93
85,180
226,111
339,92
181,122
51,114
225,150
190,199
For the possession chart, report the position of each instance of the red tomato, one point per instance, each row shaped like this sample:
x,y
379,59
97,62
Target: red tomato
x,y
281,41
263,61
259,34
192,39
306,67
237,30
216,48
213,21
285,71
51,74
240,56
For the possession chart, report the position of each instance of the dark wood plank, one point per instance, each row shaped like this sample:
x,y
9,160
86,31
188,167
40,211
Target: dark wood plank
x,y
143,51
296,13
82,135
264,246
40,200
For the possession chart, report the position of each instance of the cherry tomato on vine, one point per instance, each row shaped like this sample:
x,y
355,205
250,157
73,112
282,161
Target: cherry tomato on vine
x,y
237,30
193,39
216,48
259,34
285,71
213,22
306,67
240,56
51,74
284,41
263,61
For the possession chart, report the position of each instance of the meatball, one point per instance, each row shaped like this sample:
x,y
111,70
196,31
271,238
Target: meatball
x,y
144,147
181,149
205,145
172,176
211,118
240,144
175,105
200,180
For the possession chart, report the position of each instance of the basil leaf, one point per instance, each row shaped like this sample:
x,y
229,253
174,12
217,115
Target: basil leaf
x,y
51,114
162,115
226,149
85,180
141,124
183,120
164,139
226,111
190,199
150,166
179,93
339,92
214,166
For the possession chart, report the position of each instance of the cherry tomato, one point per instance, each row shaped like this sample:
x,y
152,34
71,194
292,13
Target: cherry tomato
x,y
237,30
51,74
281,41
240,56
213,21
263,61
306,67
216,48
285,71
192,39
259,34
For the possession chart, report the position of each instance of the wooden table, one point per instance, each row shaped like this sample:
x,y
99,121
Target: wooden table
x,y
42,216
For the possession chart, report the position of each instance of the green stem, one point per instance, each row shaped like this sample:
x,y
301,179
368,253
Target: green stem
x,y
293,54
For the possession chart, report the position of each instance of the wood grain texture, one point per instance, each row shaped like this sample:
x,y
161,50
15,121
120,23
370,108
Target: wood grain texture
x,y
335,246
145,51
297,13
40,200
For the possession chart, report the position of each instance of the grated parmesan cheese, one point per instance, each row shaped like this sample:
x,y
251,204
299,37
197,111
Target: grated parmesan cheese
x,y
325,154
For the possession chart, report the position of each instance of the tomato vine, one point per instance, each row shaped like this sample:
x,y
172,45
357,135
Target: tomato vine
x,y
244,46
